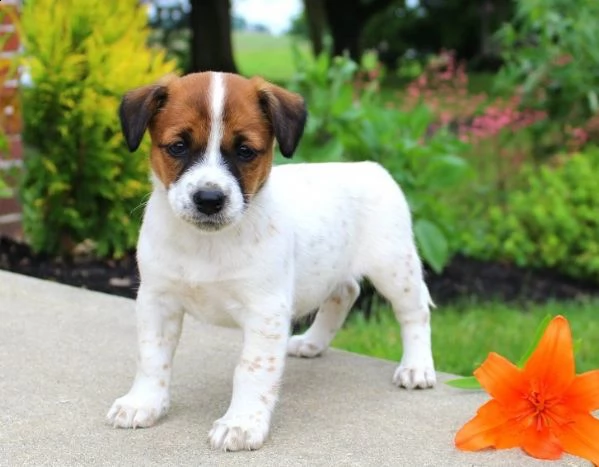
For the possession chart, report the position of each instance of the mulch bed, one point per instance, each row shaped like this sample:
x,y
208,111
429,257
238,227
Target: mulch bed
x,y
464,278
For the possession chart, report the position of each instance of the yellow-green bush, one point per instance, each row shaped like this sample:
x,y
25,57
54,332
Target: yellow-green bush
x,y
552,221
82,183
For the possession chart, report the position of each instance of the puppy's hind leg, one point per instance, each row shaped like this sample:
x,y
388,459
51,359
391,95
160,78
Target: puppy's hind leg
x,y
328,320
402,284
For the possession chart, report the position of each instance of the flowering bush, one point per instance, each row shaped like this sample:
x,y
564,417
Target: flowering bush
x,y
551,54
496,128
443,87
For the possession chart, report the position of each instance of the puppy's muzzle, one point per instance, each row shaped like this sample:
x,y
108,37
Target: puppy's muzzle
x,y
209,202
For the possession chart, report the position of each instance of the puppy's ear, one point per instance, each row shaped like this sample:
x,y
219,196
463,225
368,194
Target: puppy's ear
x,y
286,111
137,109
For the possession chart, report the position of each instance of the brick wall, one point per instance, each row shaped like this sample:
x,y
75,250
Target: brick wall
x,y
10,116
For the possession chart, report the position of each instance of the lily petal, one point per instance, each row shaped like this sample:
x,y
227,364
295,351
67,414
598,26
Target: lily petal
x,y
481,431
580,438
583,393
541,443
501,379
552,362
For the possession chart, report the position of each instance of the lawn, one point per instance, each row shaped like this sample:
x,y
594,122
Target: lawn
x,y
464,335
265,55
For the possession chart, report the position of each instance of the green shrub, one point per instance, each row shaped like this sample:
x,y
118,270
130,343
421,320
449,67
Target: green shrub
x,y
349,122
83,184
550,222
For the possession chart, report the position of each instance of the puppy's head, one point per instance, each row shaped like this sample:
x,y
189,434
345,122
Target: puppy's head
x,y
212,140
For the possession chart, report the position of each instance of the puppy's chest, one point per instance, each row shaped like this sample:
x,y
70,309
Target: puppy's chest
x,y
214,303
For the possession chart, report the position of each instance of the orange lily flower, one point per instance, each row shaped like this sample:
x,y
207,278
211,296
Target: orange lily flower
x,y
544,408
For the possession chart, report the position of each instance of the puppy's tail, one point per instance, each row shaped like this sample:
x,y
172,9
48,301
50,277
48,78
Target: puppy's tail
x,y
426,298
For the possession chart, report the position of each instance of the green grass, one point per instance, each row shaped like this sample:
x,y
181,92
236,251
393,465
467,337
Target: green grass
x,y
463,336
268,56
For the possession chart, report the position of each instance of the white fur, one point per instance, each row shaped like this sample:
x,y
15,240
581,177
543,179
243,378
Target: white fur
x,y
303,243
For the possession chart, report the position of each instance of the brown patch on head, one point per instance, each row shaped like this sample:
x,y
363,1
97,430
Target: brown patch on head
x,y
185,117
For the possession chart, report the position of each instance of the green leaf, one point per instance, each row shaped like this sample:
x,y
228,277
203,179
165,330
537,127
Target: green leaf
x,y
468,382
535,342
444,172
433,244
593,103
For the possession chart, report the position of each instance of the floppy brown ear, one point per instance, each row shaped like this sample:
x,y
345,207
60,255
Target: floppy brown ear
x,y
137,109
286,111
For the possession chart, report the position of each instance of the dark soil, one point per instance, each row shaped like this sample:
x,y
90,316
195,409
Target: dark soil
x,y
464,278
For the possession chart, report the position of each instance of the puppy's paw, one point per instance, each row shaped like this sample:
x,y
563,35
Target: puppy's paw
x,y
415,376
239,432
301,346
137,410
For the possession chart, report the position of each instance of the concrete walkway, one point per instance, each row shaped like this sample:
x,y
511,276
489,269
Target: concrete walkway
x,y
66,353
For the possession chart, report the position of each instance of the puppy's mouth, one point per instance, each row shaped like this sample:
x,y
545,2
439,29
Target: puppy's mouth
x,y
212,223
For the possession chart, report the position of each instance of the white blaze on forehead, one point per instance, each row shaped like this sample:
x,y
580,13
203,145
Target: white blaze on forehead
x,y
217,104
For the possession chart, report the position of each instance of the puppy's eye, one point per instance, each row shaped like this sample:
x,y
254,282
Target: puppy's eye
x,y
245,153
178,149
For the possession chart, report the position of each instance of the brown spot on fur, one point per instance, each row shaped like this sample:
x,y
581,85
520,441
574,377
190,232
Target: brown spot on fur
x,y
267,335
166,366
336,299
162,383
271,369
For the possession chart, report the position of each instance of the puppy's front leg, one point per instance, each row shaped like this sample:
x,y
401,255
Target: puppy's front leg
x,y
256,381
159,321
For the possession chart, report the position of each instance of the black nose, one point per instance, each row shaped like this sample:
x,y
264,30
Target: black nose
x,y
209,201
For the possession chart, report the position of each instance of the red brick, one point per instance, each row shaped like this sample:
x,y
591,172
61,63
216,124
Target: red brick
x,y
8,12
11,44
8,93
9,205
15,148
10,120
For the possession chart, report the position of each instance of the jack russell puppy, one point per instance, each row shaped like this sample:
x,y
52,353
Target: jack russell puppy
x,y
232,240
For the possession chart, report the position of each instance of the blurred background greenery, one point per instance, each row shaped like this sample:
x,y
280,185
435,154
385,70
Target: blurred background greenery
x,y
485,111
